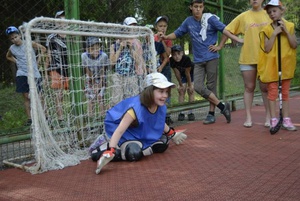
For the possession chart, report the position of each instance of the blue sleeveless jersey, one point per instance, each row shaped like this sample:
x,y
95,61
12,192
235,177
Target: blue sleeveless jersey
x,y
150,126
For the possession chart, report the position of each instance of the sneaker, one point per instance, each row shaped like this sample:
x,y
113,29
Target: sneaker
x,y
210,119
288,125
180,117
191,117
226,112
169,120
274,122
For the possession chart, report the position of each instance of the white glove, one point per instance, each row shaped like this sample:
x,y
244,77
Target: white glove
x,y
179,137
106,157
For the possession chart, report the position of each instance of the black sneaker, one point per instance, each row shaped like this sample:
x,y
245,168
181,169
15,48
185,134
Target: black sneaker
x,y
191,117
28,122
180,117
169,120
226,112
210,119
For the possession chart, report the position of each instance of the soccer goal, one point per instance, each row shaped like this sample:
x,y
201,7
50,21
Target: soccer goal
x,y
69,111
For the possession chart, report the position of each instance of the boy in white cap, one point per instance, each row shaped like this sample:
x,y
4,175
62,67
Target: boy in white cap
x,y
126,56
136,126
268,66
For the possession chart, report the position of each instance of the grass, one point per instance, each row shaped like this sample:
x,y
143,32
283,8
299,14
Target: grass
x,y
12,109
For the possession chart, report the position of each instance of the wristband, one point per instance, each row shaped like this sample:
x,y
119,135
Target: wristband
x,y
171,132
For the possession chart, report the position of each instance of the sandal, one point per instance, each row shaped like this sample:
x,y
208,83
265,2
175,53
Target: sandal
x,y
267,124
248,124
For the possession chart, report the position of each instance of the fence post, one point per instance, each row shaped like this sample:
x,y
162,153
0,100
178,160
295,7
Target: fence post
x,y
72,12
221,61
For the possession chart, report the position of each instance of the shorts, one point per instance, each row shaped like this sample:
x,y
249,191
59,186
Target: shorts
x,y
23,86
58,81
184,79
244,67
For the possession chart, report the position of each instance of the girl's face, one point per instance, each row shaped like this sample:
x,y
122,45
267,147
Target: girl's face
x,y
160,96
15,38
197,10
177,56
274,13
161,26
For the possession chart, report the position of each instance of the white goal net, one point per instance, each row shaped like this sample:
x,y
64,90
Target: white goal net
x,y
69,111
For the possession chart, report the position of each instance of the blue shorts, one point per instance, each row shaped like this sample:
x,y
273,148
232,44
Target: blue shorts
x,y
23,86
184,79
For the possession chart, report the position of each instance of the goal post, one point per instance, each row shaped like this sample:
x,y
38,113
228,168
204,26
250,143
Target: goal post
x,y
59,143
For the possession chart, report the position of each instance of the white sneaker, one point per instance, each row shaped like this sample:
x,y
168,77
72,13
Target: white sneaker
x,y
288,125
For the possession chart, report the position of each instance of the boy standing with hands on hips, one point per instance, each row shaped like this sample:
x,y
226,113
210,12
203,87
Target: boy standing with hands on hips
x,y
203,29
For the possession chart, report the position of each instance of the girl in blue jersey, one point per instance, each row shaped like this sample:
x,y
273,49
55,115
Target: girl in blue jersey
x,y
136,126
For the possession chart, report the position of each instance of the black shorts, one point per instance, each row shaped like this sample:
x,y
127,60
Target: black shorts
x,y
23,86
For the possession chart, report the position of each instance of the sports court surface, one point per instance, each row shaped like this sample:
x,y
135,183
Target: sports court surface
x,y
217,162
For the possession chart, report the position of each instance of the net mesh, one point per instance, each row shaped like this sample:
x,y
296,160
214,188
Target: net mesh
x,y
68,112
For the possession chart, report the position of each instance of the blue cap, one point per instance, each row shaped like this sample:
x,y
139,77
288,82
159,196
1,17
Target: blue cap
x,y
11,30
90,41
59,13
175,48
161,18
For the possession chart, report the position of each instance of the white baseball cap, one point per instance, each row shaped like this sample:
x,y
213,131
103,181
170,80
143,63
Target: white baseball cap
x,y
158,80
273,3
129,20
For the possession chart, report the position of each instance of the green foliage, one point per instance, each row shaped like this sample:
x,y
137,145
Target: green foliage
x,y
12,109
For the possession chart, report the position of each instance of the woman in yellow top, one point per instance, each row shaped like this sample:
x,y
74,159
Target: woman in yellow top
x,y
249,24
268,60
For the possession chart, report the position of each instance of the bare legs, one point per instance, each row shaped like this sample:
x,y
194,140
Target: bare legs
x,y
27,104
264,95
249,78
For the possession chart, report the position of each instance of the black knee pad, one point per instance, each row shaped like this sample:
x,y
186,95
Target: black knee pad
x,y
118,156
133,152
159,147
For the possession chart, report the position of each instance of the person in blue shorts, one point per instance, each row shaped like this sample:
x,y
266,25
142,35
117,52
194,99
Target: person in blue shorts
x,y
17,54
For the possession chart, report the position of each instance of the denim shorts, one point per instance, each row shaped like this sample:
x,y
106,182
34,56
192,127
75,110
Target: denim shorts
x,y
244,67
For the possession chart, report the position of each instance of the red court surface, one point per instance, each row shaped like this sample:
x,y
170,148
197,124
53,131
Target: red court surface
x,y
217,162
